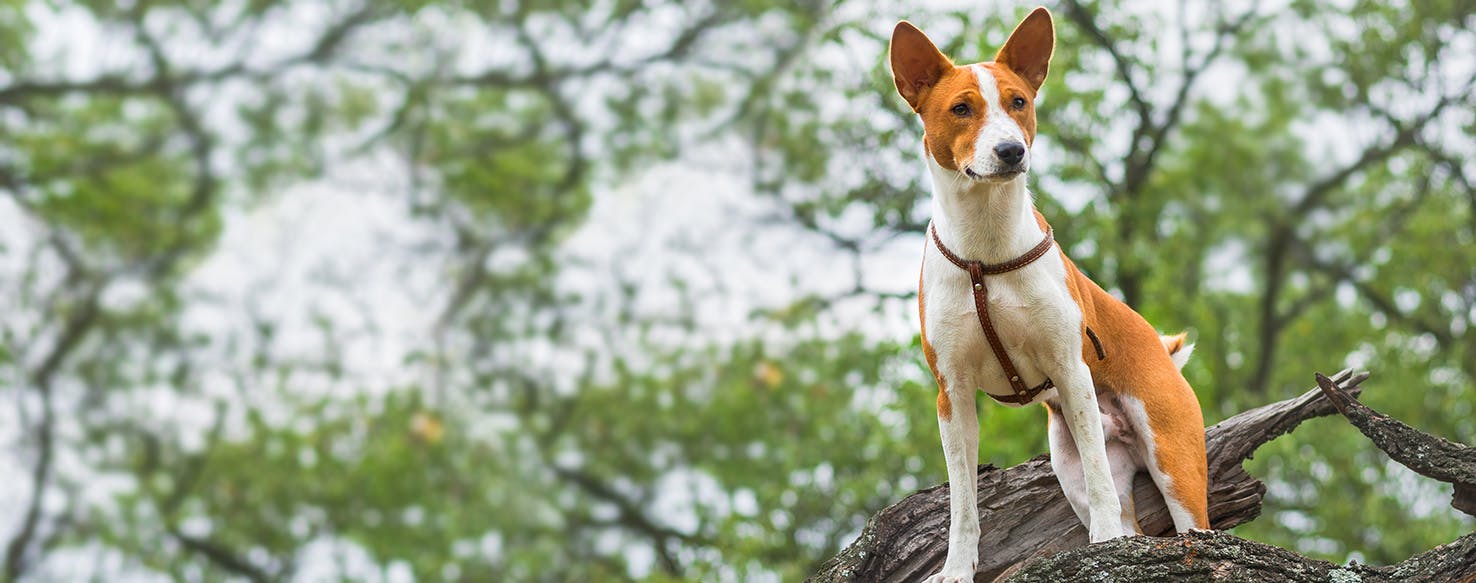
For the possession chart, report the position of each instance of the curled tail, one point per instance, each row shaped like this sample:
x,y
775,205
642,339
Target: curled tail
x,y
1178,350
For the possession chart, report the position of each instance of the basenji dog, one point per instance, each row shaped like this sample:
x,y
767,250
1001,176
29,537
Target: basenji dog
x,y
1004,311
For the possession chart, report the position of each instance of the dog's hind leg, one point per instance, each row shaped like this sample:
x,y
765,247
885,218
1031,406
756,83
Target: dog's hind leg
x,y
1172,450
1066,463
1122,458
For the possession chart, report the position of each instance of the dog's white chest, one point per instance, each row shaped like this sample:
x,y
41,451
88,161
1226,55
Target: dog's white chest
x,y
1031,310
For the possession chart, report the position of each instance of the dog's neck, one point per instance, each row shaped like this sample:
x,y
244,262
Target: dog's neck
x,y
992,222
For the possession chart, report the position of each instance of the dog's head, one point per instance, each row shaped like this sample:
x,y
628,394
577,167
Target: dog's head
x,y
978,119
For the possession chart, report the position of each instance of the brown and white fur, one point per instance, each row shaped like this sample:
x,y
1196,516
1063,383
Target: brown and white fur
x,y
1108,417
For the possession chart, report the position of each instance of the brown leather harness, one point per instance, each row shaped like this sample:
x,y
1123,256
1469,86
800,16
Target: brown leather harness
x,y
977,270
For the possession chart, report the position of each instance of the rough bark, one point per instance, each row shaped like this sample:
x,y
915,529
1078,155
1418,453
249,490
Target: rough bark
x,y
1218,556
1024,515
1428,455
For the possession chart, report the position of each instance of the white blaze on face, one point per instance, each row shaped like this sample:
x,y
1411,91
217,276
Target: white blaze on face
x,y
998,128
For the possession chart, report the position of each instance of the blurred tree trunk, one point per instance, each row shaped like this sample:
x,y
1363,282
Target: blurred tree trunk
x,y
1031,534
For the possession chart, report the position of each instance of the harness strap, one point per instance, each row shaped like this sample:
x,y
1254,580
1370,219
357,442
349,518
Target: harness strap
x,y
977,270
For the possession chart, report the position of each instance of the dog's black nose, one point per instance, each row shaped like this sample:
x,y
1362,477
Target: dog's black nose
x,y
1011,153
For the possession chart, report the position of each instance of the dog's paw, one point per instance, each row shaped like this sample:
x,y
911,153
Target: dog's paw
x,y
954,572
947,577
1108,533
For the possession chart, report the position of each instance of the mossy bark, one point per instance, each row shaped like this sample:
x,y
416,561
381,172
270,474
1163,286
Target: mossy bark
x,y
1218,556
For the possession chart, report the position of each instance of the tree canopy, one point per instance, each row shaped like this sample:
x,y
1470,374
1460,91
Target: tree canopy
x,y
607,290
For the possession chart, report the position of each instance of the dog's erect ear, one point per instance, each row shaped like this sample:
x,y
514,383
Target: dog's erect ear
x,y
916,63
1028,52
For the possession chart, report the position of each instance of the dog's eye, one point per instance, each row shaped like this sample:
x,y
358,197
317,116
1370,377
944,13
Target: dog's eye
x,y
961,110
1018,103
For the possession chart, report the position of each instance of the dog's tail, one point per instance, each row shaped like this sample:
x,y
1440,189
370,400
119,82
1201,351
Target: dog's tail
x,y
1178,350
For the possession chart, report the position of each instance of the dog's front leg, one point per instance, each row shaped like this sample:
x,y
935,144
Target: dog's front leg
x,y
1084,421
958,423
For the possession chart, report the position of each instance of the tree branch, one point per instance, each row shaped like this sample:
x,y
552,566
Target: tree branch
x,y
220,555
120,84
76,328
1283,232
1427,455
631,516
1087,21
1219,556
1023,513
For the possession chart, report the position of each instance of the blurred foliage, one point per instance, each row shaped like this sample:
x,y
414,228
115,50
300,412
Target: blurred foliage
x,y
1292,185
